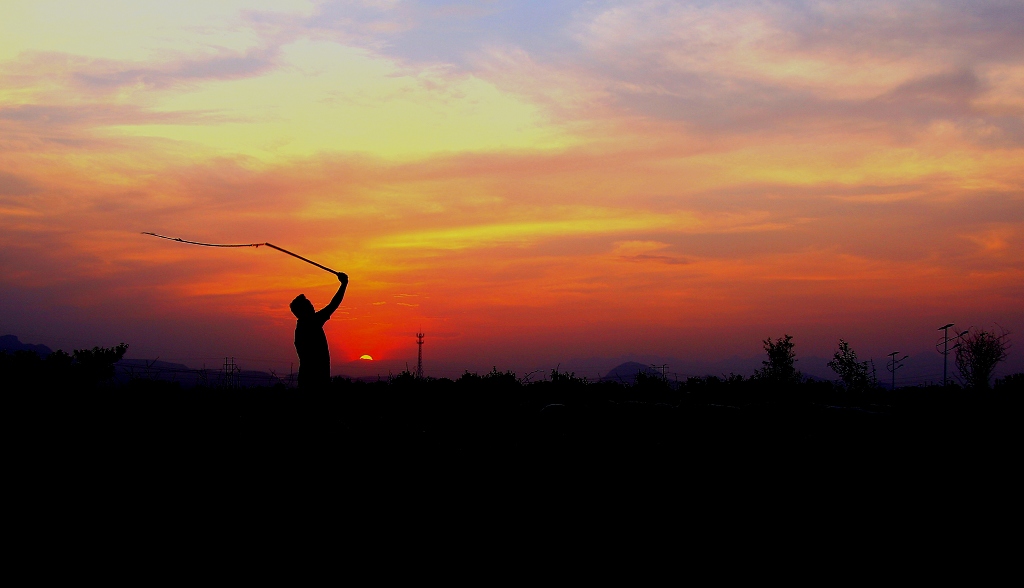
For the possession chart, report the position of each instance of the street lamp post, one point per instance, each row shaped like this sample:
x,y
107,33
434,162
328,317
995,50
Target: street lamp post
x,y
895,364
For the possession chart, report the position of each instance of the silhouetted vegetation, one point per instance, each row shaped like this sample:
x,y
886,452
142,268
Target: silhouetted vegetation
x,y
394,434
855,375
977,354
84,368
1012,382
780,366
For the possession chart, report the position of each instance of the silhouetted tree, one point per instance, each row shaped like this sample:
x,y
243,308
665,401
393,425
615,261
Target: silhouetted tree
x,y
779,367
59,368
856,375
97,364
977,354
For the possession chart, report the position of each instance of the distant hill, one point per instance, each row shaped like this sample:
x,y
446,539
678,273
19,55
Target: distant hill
x,y
626,373
148,369
11,343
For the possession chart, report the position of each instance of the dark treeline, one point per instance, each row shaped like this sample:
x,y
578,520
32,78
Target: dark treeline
x,y
498,420
380,456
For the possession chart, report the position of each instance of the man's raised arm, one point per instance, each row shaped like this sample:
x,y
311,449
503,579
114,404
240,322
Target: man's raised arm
x,y
328,310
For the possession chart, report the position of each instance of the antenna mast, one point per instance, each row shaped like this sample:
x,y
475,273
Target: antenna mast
x,y
419,356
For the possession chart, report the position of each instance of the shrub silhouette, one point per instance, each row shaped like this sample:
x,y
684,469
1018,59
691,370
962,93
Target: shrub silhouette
x,y
1011,383
978,353
97,364
83,368
779,368
567,378
856,375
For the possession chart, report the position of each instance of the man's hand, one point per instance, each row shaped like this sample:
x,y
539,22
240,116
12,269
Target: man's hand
x,y
343,277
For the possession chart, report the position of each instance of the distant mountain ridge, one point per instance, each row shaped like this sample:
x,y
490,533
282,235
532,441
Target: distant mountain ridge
x,y
626,373
11,343
152,369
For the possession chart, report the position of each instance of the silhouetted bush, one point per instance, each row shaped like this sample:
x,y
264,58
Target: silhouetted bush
x,y
977,354
97,364
403,428
780,366
58,370
650,387
855,375
1011,383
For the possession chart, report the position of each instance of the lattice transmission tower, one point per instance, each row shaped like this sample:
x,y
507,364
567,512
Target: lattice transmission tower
x,y
231,372
419,355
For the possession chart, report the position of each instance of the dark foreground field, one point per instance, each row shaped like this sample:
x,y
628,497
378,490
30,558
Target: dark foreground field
x,y
409,462
490,453
409,432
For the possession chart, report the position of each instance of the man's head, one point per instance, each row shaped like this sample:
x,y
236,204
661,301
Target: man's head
x,y
302,307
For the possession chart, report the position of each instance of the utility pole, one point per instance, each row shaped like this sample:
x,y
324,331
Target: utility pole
x,y
895,364
419,355
945,351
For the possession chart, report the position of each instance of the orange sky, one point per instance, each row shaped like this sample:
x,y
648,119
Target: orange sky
x,y
527,183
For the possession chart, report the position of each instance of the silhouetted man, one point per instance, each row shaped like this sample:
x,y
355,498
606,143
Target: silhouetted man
x,y
310,339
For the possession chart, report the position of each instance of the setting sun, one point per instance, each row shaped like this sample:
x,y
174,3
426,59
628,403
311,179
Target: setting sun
x,y
366,357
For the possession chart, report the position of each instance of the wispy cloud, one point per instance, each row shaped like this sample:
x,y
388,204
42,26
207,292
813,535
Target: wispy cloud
x,y
109,76
12,185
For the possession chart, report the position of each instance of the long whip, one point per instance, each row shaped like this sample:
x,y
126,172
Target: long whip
x,y
271,245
